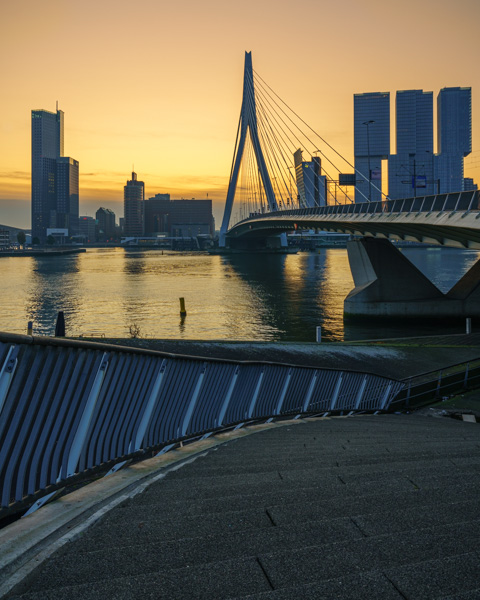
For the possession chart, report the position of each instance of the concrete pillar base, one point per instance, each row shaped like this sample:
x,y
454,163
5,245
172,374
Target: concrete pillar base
x,y
388,285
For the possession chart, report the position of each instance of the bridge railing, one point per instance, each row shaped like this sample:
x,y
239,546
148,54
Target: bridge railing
x,y
452,202
68,407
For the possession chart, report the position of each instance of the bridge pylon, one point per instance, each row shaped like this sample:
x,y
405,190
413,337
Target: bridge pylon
x,y
247,125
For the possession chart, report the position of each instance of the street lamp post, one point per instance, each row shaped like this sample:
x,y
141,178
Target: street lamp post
x,y
367,123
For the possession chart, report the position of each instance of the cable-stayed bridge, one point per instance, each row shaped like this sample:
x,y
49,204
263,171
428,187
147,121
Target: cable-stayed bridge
x,y
274,195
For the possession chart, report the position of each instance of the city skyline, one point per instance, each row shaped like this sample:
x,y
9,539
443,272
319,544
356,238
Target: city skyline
x,y
170,103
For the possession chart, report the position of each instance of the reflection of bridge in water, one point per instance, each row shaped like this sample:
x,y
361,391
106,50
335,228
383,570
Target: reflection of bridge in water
x,y
386,283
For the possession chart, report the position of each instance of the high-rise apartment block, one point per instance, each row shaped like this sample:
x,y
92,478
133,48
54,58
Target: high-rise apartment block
x,y
411,169
454,119
371,124
134,197
414,169
54,177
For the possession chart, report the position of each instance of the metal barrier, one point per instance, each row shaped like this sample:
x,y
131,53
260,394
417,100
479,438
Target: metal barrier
x,y
67,407
423,389
451,202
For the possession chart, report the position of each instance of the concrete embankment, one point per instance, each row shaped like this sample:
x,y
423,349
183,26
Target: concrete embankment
x,y
44,252
397,358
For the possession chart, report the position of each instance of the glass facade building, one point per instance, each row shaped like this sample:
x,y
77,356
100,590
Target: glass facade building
x,y
411,169
371,127
55,190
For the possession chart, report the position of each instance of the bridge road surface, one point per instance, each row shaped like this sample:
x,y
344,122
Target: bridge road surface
x,y
357,507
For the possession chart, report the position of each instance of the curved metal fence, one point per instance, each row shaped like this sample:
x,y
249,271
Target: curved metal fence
x,y
67,407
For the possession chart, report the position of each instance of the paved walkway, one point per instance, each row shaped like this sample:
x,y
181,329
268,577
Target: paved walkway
x,y
345,508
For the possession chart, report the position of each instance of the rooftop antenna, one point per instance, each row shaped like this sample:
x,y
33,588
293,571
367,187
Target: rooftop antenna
x,y
57,105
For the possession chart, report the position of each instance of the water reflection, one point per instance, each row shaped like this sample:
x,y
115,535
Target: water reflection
x,y
51,288
243,297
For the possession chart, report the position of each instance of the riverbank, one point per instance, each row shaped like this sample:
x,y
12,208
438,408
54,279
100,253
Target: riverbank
x,y
41,252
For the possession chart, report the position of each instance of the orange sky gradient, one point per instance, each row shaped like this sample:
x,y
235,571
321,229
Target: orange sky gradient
x,y
158,84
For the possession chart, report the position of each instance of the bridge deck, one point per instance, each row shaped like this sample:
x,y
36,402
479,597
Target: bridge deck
x,y
361,507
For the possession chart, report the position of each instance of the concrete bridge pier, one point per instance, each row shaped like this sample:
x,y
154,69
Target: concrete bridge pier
x,y
388,285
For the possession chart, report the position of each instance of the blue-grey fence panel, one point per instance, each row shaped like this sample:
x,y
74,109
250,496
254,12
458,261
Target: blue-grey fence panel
x,y
270,390
215,387
58,403
349,389
452,200
85,371
119,408
128,402
181,377
324,389
17,420
243,393
297,390
439,202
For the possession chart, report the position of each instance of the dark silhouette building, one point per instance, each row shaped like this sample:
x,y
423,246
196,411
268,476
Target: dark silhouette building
x,y
178,218
105,224
134,196
54,177
157,214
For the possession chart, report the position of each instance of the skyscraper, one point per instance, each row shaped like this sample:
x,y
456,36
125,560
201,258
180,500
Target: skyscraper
x,y
410,170
54,177
371,124
134,196
454,119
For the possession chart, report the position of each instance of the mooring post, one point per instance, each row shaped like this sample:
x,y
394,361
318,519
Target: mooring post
x,y
183,311
319,334
30,328
60,325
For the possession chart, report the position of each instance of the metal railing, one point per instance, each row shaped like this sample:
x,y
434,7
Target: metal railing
x,y
67,407
427,387
452,202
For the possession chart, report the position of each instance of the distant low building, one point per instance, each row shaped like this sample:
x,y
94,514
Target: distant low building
x,y
86,229
4,238
178,218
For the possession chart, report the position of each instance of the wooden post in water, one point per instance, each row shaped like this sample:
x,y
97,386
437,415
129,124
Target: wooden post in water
x,y
30,328
60,325
183,311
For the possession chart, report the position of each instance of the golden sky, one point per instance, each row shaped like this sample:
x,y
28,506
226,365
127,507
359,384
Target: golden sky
x,y
158,84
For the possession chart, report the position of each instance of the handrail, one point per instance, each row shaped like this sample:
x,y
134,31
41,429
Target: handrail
x,y
72,406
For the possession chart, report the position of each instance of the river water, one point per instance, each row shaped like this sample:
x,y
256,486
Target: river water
x,y
263,298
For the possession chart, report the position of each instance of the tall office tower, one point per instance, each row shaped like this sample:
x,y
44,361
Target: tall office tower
x,y
410,170
371,125
47,146
311,184
134,196
105,224
54,177
454,116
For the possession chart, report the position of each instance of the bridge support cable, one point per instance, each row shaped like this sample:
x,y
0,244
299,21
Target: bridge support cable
x,y
302,141
258,77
